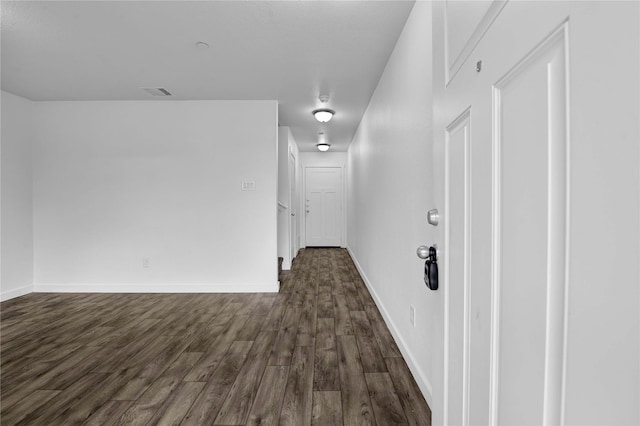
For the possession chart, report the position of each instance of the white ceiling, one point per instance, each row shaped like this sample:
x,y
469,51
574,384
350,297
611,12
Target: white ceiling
x,y
290,51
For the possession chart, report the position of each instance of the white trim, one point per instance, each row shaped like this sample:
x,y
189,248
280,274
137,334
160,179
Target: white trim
x,y
446,275
157,288
16,292
557,254
292,220
467,276
418,374
567,237
495,264
463,121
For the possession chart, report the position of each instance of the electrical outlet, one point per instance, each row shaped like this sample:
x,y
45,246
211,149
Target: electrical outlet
x,y
146,262
412,315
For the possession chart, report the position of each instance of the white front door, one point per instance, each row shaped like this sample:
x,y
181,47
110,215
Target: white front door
x,y
537,115
323,203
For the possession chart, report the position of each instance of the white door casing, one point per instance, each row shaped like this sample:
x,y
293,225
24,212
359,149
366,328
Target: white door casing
x,y
537,328
323,206
293,206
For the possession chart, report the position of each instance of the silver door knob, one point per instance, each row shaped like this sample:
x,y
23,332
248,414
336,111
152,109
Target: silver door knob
x,y
423,252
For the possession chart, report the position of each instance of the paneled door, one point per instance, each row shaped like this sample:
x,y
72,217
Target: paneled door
x,y
529,93
323,206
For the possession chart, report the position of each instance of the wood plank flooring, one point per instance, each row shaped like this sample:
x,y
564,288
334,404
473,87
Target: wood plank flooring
x,y
317,353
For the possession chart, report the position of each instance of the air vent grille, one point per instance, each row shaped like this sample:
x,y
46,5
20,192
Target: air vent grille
x,y
157,91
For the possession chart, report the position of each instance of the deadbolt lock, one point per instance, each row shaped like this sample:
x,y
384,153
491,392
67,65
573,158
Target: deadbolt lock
x,y
433,217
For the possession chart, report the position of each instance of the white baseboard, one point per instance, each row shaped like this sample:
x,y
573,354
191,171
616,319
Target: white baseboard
x,y
421,379
16,292
156,288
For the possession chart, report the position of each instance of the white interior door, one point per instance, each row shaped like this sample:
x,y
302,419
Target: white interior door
x,y
323,203
521,335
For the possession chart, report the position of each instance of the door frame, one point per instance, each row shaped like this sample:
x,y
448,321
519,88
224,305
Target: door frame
x,y
343,201
292,168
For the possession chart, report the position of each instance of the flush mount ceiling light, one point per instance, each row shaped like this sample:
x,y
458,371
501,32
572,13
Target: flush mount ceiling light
x,y
323,114
202,45
322,145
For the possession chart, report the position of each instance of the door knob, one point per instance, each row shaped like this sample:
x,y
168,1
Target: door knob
x,y
293,214
423,252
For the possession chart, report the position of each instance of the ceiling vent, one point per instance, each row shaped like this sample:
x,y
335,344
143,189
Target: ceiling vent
x,y
157,91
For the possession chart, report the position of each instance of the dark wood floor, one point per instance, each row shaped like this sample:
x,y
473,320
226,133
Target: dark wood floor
x,y
316,353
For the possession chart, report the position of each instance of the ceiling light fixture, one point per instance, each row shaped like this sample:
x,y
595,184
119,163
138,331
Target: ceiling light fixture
x,y
323,114
202,45
322,144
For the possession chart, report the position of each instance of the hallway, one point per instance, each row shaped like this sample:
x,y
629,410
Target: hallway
x,y
317,353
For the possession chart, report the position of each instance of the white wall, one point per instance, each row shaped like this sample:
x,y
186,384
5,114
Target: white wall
x,y
390,192
116,182
16,222
286,223
323,159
